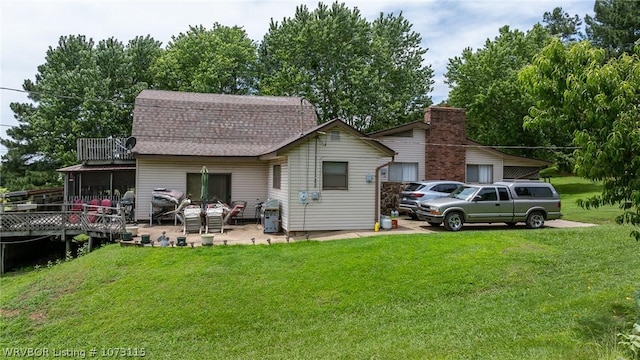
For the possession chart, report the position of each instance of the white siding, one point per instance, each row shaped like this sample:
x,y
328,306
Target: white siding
x,y
476,156
336,209
248,180
408,149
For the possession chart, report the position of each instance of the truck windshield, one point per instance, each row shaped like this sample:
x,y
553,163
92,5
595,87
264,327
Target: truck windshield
x,y
463,192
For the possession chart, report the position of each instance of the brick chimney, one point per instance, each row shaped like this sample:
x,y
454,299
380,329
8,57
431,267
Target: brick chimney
x,y
445,157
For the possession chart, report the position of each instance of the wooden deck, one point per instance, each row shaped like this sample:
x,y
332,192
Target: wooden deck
x,y
40,223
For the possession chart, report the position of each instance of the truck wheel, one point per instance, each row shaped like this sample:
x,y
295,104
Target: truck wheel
x,y
535,220
434,224
453,221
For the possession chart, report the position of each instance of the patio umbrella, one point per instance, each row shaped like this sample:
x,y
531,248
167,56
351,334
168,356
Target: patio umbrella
x,y
204,191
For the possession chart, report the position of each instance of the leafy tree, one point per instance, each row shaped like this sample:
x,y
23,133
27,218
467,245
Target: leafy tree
x,y
596,100
615,26
370,75
221,60
562,24
484,82
82,90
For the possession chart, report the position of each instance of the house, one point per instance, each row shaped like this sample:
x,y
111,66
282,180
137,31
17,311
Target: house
x,y
437,149
259,148
256,148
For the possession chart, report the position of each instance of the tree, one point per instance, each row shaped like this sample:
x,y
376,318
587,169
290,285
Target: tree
x,y
82,90
484,83
596,100
370,75
221,60
615,26
561,24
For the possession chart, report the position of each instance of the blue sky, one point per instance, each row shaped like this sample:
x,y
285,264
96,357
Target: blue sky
x,y
29,27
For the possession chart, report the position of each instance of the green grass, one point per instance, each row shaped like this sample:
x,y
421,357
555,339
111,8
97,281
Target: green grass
x,y
571,189
492,294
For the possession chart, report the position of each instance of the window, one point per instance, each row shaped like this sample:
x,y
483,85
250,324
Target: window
x,y
403,172
488,194
504,194
481,174
445,188
525,191
219,187
277,176
335,175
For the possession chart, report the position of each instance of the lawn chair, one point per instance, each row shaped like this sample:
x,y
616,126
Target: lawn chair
x,y
76,209
237,211
215,217
105,206
192,221
92,213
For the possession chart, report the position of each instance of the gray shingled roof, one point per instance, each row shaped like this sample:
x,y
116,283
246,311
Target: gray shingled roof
x,y
182,123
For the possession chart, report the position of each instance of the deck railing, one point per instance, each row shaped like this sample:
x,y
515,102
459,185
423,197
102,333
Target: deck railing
x,y
103,149
104,220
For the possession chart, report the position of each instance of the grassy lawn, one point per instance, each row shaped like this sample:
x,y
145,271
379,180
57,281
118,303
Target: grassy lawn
x,y
571,189
493,294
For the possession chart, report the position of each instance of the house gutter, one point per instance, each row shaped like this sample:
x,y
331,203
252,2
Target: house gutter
x,y
377,180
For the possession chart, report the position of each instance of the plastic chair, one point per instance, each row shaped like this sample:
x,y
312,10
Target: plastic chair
x,y
105,205
92,214
76,208
192,221
215,219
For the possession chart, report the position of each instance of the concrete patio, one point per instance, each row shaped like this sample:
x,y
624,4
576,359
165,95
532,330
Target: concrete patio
x,y
249,233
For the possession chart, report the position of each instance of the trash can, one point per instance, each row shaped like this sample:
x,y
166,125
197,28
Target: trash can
x,y
271,216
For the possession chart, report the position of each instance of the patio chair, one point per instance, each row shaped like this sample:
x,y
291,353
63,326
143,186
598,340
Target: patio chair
x,y
76,209
237,211
192,221
92,212
105,206
215,218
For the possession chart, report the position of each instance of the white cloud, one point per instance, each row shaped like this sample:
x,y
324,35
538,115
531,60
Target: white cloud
x,y
30,27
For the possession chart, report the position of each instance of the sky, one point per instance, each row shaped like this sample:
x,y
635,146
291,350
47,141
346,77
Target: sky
x,y
29,27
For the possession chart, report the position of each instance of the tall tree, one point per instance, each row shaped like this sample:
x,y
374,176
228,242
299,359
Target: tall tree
x,y
82,90
615,26
596,100
560,23
484,83
221,60
370,75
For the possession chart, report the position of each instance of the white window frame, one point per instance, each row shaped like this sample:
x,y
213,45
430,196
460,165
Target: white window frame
x,y
403,171
483,173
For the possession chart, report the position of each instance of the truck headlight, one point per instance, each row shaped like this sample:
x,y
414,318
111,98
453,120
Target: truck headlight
x,y
434,210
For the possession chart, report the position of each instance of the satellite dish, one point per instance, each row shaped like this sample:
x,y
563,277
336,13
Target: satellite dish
x,y
130,143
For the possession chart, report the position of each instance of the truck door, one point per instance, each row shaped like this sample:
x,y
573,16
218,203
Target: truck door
x,y
491,204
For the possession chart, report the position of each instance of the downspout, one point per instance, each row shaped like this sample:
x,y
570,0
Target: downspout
x,y
377,180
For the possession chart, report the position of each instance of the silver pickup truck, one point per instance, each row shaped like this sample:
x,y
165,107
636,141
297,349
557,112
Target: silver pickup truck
x,y
510,202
